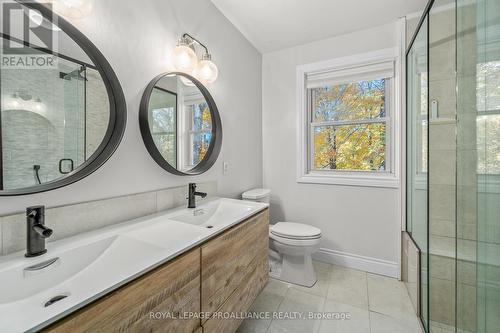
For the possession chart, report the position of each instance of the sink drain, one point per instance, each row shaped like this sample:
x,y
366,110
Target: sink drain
x,y
210,226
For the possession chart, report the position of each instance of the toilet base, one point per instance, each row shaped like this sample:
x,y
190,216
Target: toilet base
x,y
293,269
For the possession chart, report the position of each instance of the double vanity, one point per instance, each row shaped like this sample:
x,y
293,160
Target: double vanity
x,y
177,271
184,270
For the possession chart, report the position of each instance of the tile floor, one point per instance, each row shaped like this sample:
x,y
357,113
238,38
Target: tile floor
x,y
376,304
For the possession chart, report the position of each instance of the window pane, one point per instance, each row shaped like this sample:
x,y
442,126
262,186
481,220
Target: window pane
x,y
422,123
488,144
350,147
352,101
201,142
202,119
422,140
162,108
163,120
166,146
423,93
488,86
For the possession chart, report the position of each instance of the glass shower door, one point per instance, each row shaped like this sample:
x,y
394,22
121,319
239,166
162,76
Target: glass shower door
x,y
478,166
453,164
417,157
74,153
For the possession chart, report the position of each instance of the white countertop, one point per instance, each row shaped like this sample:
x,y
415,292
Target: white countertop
x,y
92,264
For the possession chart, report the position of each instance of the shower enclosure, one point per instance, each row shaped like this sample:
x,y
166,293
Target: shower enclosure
x,y
453,164
51,119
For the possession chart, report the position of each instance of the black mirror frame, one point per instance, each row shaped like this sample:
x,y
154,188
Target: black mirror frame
x,y
215,142
117,105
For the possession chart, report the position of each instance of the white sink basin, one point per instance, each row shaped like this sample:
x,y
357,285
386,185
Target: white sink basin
x,y
90,265
215,214
20,281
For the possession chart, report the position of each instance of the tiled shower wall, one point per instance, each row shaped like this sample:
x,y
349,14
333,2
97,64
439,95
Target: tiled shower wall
x,y
62,128
445,227
77,218
442,165
452,206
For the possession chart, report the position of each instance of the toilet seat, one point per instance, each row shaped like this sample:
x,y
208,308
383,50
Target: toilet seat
x,y
295,231
295,242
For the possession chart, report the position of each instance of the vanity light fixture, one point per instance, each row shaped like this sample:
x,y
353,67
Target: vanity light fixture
x,y
38,19
75,9
20,100
206,70
38,104
185,60
187,82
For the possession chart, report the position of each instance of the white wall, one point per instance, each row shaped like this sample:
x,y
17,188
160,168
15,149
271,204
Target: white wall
x,y
362,221
136,38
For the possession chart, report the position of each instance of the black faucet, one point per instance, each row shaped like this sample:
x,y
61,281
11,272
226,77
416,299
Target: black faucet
x,y
36,231
192,195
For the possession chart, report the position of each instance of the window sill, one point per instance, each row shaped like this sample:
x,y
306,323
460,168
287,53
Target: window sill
x,y
363,180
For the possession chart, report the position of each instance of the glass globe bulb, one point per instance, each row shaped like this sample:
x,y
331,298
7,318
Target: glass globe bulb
x,y
186,81
75,9
184,58
38,19
207,71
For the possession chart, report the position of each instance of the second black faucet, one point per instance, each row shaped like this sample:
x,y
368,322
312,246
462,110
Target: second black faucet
x,y
192,195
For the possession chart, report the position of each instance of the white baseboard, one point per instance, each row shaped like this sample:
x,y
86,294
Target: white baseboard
x,y
367,264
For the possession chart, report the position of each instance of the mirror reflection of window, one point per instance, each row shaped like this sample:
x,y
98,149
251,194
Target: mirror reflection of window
x,y
197,127
488,117
180,123
200,132
163,118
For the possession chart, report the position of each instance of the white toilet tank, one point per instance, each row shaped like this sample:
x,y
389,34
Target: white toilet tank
x,y
257,194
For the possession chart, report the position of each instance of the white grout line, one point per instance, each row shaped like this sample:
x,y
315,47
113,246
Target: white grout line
x,y
277,309
368,300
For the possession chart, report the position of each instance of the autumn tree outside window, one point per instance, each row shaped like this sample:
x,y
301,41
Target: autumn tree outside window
x,y
348,126
347,129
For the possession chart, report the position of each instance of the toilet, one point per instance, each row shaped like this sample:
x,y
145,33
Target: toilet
x,y
291,246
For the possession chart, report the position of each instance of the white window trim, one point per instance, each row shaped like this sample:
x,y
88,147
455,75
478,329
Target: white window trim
x,y
389,179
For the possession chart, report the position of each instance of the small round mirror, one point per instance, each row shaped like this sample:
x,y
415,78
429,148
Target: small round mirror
x,y
180,124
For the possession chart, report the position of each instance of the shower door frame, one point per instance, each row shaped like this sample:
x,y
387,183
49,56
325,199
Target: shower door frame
x,y
1,144
423,19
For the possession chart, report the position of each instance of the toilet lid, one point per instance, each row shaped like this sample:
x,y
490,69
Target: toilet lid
x,y
256,194
295,230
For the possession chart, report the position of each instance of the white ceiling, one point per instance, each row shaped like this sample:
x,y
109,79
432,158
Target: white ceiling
x,y
277,24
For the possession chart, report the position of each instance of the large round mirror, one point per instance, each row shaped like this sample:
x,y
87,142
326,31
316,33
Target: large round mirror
x,y
180,124
62,110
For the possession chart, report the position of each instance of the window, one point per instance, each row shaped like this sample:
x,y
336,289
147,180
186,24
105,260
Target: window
x,y
488,118
163,114
181,130
348,126
346,122
200,132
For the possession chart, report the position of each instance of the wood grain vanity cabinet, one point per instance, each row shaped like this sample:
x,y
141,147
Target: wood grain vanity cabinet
x,y
228,264
173,287
223,275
